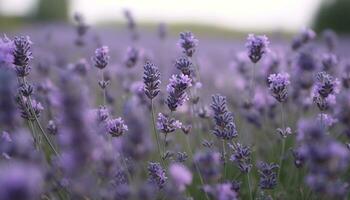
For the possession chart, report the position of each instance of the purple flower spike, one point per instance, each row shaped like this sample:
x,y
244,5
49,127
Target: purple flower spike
x,y
257,46
177,91
167,125
101,57
278,86
188,43
116,127
156,174
6,49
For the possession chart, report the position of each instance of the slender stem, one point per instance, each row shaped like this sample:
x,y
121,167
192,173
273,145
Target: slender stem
x,y
281,157
249,187
46,137
252,83
30,124
224,156
103,89
126,167
38,123
283,142
155,132
195,164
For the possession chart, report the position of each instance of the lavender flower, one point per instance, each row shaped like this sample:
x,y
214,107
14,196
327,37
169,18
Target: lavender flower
x,y
324,90
156,174
166,124
209,164
22,55
257,46
185,66
102,114
225,127
81,28
278,86
6,49
181,157
177,91
326,119
180,176
132,57
116,127
325,158
30,109
162,31
188,43
303,38
151,79
299,159
26,90
222,191
342,110
8,114
329,61
52,127
81,67
331,39
101,57
241,156
268,177
20,181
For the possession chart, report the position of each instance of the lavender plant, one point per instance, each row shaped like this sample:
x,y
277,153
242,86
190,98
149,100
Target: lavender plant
x,y
74,142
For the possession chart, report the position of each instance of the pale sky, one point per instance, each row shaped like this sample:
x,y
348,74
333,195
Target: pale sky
x,y
240,14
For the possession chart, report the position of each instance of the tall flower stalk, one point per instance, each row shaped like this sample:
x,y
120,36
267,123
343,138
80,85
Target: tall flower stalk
x,y
101,59
278,84
151,80
257,46
22,55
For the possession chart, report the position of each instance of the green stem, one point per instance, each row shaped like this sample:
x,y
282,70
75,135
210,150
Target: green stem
x,y
224,156
249,187
103,89
195,164
155,132
283,142
38,123
46,137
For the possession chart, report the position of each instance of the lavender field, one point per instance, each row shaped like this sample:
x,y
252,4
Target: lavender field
x,y
102,113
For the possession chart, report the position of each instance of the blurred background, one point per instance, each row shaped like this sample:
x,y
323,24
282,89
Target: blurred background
x,y
220,15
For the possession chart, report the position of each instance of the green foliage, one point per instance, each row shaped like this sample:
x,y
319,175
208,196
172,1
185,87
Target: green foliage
x,y
52,10
333,14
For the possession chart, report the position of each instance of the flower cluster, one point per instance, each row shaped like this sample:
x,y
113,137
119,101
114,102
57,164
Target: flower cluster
x,y
156,174
225,127
116,127
324,157
305,36
278,86
101,57
132,57
209,164
268,177
151,79
324,91
185,66
257,46
188,43
6,49
176,89
180,176
222,191
167,124
22,55
241,156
